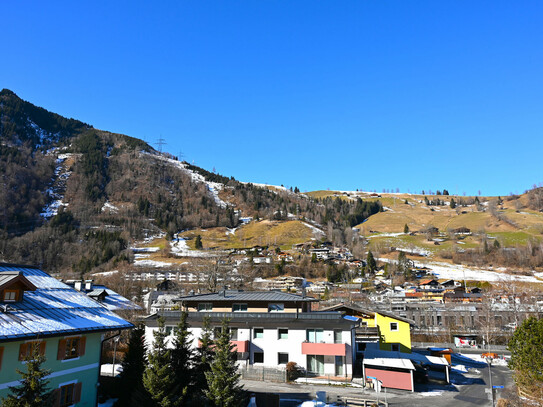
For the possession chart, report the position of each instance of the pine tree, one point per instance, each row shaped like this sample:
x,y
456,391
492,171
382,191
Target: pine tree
x,y
203,359
406,229
33,391
223,379
370,262
526,347
158,377
453,203
131,390
181,359
198,242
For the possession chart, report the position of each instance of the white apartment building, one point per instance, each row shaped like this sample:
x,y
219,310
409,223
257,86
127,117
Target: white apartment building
x,y
270,329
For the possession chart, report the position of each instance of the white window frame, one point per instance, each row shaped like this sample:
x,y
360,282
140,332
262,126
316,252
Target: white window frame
x,y
397,327
203,306
239,305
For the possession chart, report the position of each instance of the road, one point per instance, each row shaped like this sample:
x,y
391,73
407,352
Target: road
x,y
467,389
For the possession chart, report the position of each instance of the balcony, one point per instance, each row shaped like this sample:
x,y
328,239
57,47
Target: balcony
x,y
240,346
327,349
367,334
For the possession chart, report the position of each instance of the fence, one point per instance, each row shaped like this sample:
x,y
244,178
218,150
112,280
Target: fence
x,y
264,374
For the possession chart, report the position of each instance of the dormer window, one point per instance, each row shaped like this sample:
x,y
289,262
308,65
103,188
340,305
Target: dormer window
x,y
13,285
11,295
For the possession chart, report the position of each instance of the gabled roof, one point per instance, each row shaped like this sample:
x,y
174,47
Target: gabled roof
x,y
248,296
53,308
7,278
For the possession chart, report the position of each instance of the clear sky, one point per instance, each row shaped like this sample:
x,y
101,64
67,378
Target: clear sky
x,y
316,94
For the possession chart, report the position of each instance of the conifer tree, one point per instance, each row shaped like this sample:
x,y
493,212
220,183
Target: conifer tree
x,y
198,242
224,389
131,389
406,229
370,262
453,203
33,391
158,377
203,359
181,359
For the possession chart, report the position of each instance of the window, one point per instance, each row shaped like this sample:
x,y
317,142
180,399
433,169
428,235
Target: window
x,y
27,349
258,333
282,333
71,348
239,307
395,347
205,307
339,362
337,336
10,295
68,395
315,335
234,334
258,357
282,358
393,326
276,307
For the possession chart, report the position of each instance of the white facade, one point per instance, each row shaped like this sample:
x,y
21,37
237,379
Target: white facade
x,y
273,347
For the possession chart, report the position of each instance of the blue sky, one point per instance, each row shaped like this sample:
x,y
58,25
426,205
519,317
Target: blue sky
x,y
316,94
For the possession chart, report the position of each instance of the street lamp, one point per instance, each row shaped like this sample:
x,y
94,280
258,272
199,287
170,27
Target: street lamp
x,y
489,361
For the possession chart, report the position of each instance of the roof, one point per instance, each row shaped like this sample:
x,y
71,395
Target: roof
x,y
260,296
53,308
113,301
9,277
338,307
389,362
413,357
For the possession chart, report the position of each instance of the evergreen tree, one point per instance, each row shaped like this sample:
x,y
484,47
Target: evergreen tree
x,y
131,390
453,203
181,359
224,389
158,377
404,265
426,201
526,348
33,391
198,242
406,229
203,359
371,265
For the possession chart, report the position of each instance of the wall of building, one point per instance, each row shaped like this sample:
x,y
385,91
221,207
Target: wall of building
x,y
84,369
388,337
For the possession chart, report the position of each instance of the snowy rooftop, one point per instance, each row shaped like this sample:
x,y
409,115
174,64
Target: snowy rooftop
x,y
53,308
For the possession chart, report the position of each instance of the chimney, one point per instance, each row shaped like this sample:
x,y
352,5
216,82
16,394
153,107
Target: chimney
x,y
78,285
88,285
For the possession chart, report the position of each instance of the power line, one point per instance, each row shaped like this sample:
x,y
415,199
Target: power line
x,y
160,142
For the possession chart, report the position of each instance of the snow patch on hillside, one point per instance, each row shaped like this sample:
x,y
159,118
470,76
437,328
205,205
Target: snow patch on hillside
x,y
180,248
151,263
316,231
57,188
213,187
110,208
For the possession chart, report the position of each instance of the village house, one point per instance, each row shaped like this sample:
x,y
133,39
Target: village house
x,y
67,326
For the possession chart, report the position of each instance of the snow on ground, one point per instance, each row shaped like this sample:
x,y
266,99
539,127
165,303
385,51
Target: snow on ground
x,y
478,358
316,231
105,273
316,404
231,231
180,248
151,263
430,393
386,235
460,272
107,369
109,208
58,184
213,187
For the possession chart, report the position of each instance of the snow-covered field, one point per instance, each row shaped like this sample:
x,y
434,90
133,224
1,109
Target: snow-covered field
x,y
151,263
180,248
316,231
460,272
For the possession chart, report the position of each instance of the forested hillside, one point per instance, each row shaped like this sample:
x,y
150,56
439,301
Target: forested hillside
x,y
75,198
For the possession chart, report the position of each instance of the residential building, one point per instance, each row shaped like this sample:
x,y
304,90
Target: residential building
x,y
270,329
67,326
